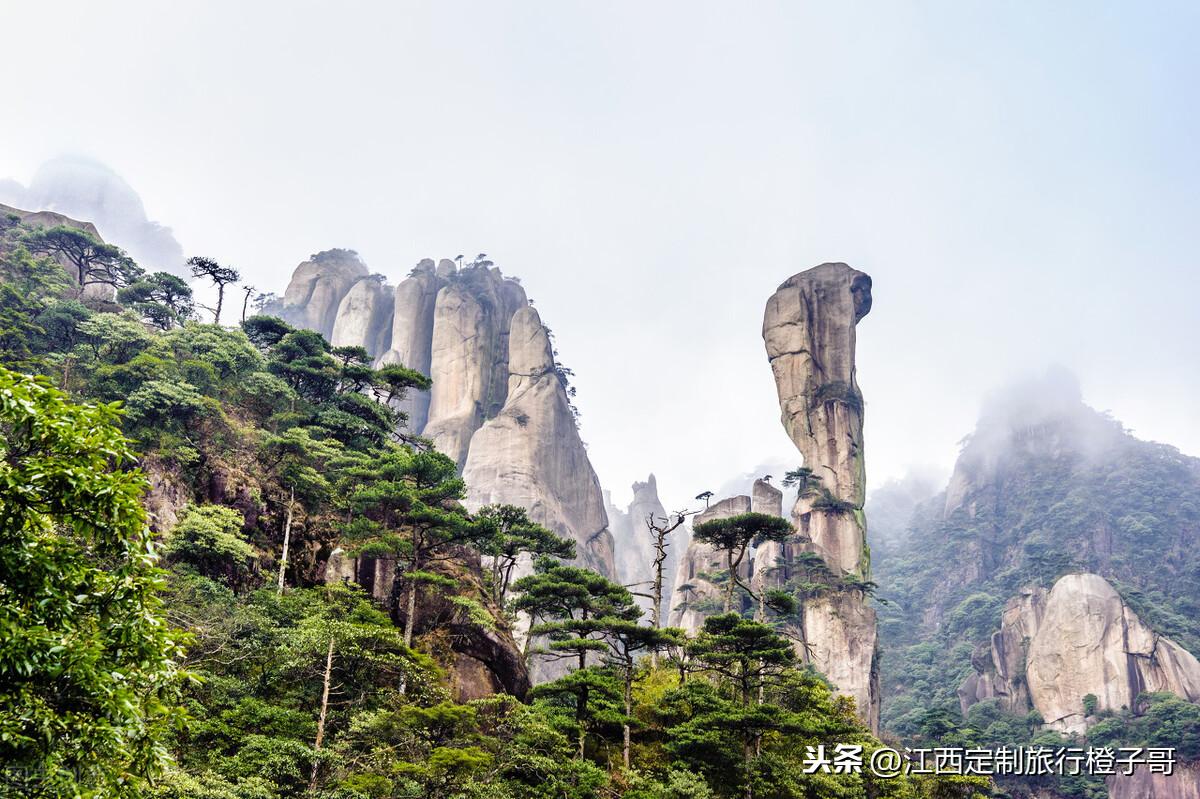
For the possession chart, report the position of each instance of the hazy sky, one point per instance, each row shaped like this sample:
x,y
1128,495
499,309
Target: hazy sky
x,y
1020,179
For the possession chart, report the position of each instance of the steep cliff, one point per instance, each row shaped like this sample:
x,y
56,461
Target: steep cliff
x,y
1056,647
497,405
315,292
809,332
530,453
1044,487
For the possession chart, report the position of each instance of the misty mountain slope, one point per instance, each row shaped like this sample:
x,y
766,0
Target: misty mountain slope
x,y
1046,486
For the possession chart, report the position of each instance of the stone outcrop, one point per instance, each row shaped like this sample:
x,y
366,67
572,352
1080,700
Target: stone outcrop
x,y
469,358
481,660
1055,647
530,453
809,330
101,292
634,544
412,333
697,592
497,406
317,287
1184,783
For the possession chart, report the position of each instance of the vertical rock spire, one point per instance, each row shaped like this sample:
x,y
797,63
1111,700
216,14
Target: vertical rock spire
x,y
809,332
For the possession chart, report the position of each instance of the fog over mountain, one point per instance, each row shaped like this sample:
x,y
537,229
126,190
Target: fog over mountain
x,y
91,191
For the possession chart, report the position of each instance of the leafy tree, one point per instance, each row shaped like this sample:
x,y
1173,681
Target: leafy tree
x,y
508,534
92,261
209,538
734,535
89,682
221,276
162,299
266,331
626,641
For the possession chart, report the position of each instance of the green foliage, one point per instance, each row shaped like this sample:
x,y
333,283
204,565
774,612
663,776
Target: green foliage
x,y
733,535
209,539
90,260
89,680
162,299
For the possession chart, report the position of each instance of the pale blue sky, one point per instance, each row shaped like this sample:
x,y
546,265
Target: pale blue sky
x,y
1020,179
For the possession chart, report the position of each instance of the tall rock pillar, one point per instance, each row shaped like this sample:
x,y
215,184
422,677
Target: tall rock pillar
x,y
809,332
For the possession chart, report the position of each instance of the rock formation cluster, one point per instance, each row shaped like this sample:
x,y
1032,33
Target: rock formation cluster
x,y
1054,647
497,406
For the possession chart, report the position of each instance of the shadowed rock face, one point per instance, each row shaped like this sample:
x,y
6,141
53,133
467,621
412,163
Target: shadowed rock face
x,y
809,329
1056,647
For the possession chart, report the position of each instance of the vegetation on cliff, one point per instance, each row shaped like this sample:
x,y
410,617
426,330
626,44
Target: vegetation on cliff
x,y
239,672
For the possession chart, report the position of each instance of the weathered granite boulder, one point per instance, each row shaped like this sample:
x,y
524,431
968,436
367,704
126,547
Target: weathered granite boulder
x,y
363,316
1055,647
809,330
531,454
412,334
697,594
317,287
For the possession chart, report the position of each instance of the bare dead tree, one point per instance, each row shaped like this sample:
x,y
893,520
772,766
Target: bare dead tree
x,y
660,529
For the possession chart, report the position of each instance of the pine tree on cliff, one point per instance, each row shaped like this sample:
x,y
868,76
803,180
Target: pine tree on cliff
x,y
406,506
734,535
221,276
574,608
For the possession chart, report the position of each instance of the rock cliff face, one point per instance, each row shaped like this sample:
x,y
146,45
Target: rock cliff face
x,y
809,332
1056,647
1183,784
497,406
530,453
481,661
696,595
634,545
318,285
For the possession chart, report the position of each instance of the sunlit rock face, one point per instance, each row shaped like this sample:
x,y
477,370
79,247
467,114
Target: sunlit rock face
x,y
1055,647
809,330
315,293
530,453
411,342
